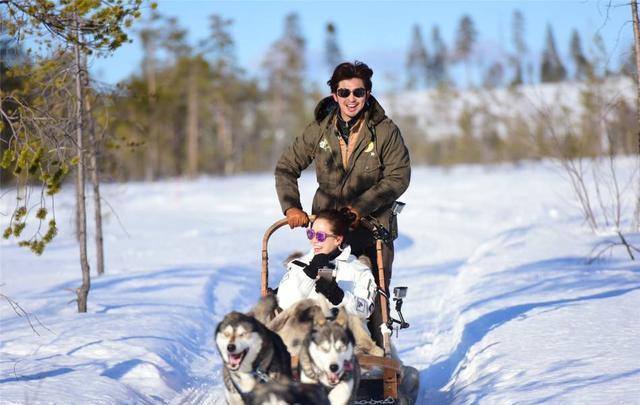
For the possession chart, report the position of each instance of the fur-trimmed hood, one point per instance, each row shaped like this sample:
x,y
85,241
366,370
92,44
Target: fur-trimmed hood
x,y
374,113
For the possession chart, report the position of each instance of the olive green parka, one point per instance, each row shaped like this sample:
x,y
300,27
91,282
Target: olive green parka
x,y
378,171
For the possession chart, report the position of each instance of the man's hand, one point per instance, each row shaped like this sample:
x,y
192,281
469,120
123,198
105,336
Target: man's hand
x,y
296,217
355,215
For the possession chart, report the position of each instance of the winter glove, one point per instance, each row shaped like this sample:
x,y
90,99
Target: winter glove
x,y
296,217
330,289
355,217
318,261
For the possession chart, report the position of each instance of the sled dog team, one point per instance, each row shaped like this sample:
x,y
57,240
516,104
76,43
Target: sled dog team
x,y
257,362
317,315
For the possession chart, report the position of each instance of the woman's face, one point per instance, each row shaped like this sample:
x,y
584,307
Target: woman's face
x,y
351,105
331,241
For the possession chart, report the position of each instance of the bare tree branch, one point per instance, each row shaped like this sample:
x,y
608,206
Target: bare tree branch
x,y
21,312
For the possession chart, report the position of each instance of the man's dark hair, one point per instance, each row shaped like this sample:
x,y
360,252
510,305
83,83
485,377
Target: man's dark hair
x,y
348,70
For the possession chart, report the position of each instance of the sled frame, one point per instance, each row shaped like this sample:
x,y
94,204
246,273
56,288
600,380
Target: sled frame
x,y
390,367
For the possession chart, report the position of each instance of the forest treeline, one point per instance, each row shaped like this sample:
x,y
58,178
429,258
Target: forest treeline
x,y
192,109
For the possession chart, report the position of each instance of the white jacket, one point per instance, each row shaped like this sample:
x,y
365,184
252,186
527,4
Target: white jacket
x,y
355,279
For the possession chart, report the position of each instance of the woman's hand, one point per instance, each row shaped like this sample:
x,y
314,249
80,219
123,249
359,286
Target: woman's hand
x,y
320,260
330,289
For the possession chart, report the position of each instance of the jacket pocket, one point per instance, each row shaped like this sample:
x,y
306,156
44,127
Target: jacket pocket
x,y
326,170
372,169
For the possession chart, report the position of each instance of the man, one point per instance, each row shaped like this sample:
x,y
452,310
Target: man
x,y
361,162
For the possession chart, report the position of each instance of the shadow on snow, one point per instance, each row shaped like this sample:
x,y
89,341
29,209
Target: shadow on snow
x,y
438,375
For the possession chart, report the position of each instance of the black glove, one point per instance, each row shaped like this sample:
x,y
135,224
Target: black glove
x,y
318,261
330,289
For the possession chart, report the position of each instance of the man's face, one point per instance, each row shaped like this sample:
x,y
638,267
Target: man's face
x,y
351,105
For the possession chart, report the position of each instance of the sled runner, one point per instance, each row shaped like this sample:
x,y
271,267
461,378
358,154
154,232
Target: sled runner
x,y
381,376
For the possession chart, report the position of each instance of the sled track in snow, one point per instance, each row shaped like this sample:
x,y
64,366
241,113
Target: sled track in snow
x,y
229,288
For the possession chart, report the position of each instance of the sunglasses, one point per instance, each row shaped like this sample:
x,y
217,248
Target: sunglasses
x,y
359,92
319,235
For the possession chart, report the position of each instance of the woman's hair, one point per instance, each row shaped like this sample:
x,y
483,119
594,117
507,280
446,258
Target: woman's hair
x,y
338,219
348,70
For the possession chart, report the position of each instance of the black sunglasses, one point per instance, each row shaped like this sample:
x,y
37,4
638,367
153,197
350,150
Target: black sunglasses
x,y
359,92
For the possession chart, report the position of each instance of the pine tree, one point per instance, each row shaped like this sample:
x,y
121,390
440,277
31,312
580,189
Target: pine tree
x,y
552,69
333,55
11,54
225,72
417,60
179,68
437,72
285,67
71,30
494,76
149,37
582,66
466,37
600,58
518,40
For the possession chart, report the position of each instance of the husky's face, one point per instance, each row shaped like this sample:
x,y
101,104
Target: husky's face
x,y
238,341
331,349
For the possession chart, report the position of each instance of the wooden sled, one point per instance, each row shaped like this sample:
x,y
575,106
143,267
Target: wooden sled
x,y
380,377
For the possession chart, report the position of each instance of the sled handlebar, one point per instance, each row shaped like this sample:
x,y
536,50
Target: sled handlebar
x,y
264,290
265,253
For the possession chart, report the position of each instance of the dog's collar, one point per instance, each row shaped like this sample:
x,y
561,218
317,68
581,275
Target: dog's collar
x,y
260,375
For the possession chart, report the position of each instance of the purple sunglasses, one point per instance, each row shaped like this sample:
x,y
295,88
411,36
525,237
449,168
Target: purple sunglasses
x,y
319,235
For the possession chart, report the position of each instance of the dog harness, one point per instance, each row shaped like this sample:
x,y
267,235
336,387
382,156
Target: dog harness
x,y
259,375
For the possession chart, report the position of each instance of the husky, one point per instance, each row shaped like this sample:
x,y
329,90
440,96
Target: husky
x,y
295,323
278,393
251,354
328,357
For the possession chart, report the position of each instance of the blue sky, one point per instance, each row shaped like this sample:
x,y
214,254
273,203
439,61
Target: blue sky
x,y
379,32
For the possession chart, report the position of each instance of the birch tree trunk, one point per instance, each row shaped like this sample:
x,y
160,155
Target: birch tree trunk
x,y
93,149
83,290
636,34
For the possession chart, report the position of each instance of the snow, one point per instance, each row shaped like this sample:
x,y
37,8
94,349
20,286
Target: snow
x,y
503,304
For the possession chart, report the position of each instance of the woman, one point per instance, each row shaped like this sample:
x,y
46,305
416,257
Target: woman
x,y
351,285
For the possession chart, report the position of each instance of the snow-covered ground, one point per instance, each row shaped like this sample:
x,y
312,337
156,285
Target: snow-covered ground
x,y
503,306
